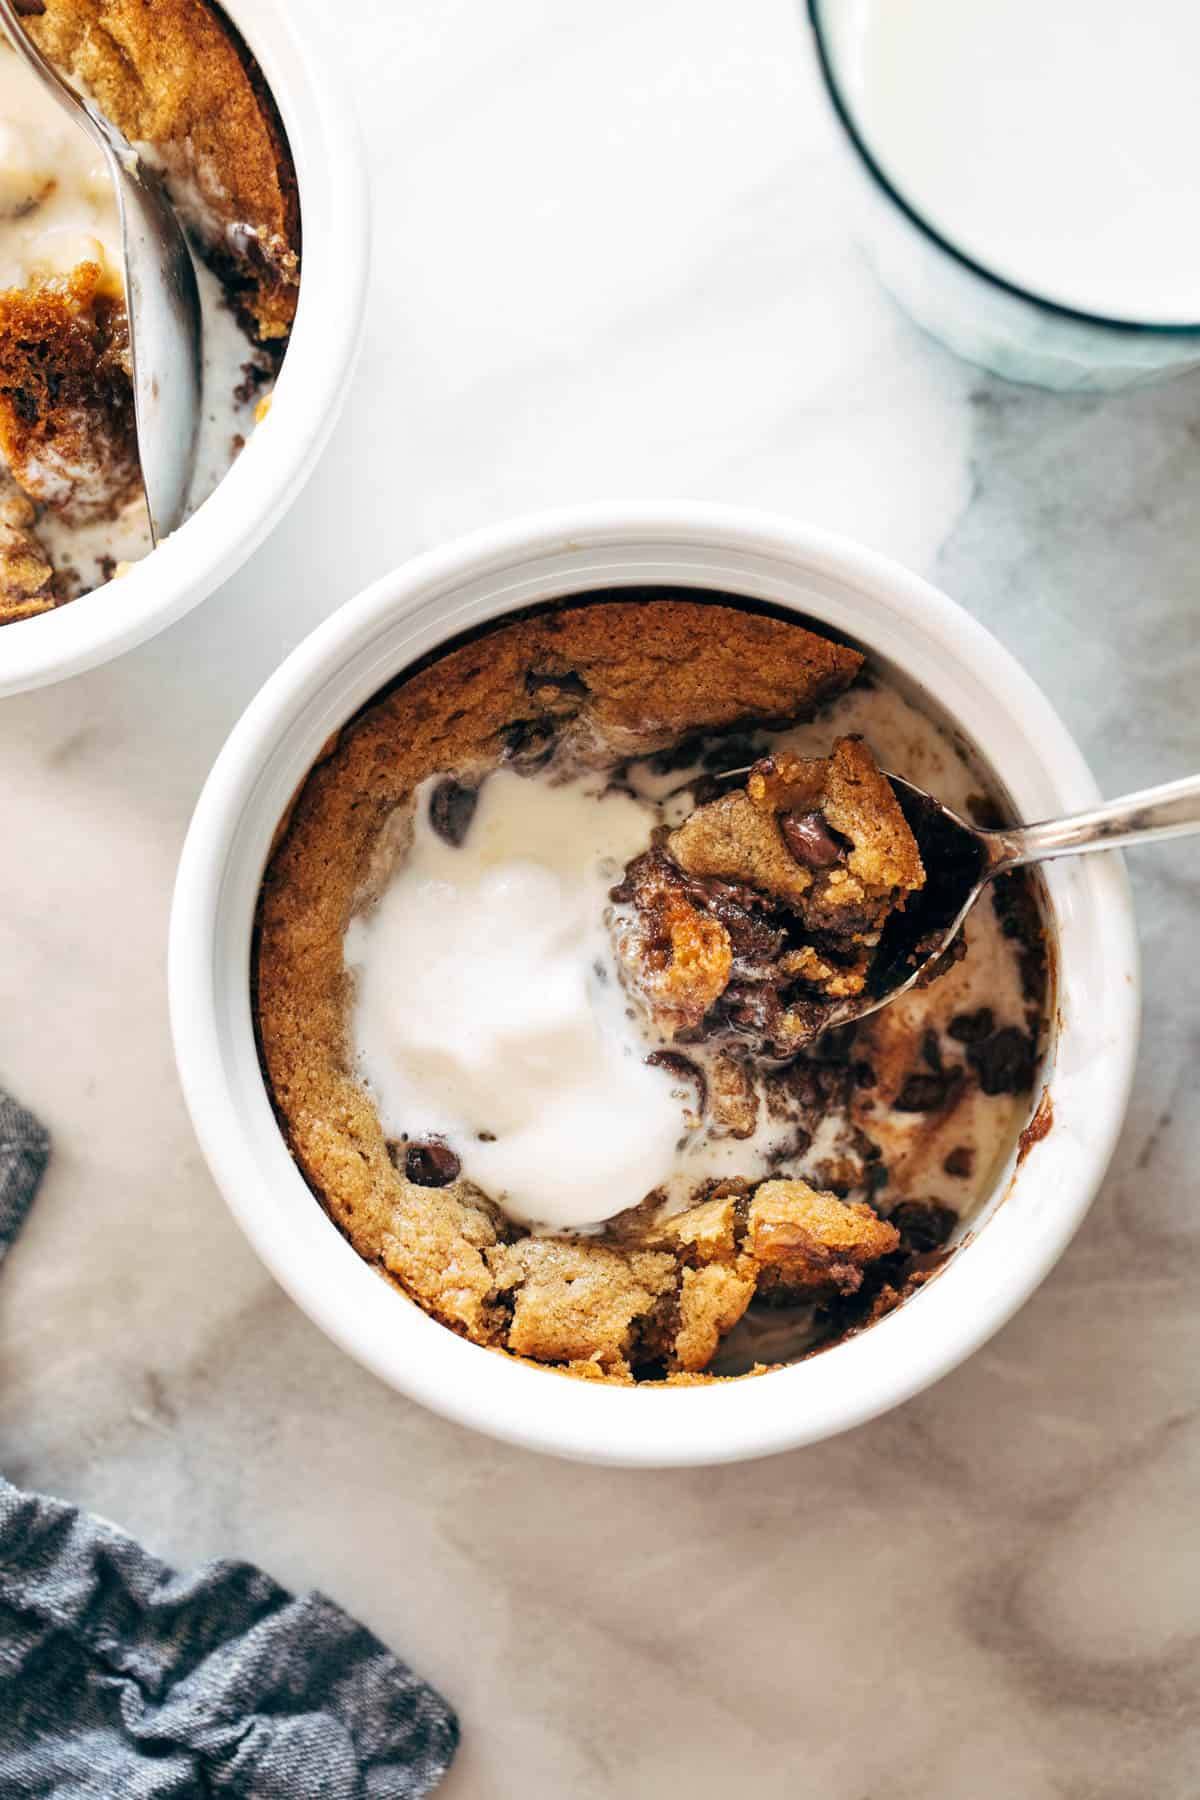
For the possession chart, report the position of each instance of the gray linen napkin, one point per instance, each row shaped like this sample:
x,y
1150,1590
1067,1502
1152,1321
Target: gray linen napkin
x,y
119,1677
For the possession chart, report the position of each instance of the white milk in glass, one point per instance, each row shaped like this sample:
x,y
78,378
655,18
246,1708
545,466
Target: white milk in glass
x,y
1056,142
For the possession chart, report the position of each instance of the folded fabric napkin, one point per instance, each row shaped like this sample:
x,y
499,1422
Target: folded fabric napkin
x,y
120,1678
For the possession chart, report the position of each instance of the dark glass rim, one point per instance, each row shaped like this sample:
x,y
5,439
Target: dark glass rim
x,y
842,108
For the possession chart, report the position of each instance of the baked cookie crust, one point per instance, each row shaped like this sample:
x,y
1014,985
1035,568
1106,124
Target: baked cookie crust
x,y
67,429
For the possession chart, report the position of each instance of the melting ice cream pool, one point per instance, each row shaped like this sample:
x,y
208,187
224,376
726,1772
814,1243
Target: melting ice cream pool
x,y
488,1011
57,206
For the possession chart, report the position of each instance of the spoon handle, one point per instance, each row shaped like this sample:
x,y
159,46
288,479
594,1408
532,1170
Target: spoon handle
x,y
1171,810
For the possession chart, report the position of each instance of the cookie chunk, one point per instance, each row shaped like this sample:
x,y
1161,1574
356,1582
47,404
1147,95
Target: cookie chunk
x,y
67,428
786,882
813,1243
670,1294
825,836
681,958
573,1301
26,574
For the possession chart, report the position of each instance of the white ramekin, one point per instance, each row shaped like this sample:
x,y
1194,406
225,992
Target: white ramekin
x,y
301,71
1036,1205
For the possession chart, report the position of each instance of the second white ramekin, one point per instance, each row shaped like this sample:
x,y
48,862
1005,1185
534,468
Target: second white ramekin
x,y
301,71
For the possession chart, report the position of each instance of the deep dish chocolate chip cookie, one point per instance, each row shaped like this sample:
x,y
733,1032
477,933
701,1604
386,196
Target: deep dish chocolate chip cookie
x,y
556,916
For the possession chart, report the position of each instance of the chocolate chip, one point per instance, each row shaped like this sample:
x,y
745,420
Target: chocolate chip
x,y
960,1162
709,891
1016,908
928,1093
31,9
706,788
529,743
732,752
752,940
254,376
733,904
972,1028
1004,1062
864,1075
938,965
684,1069
931,1050
923,1225
431,1164
451,809
810,840
811,1088
567,683
682,755
834,1046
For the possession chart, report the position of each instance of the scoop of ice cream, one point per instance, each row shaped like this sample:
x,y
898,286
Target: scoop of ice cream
x,y
487,1012
57,205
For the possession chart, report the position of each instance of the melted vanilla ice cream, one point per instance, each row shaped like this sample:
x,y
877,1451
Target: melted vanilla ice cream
x,y
487,1007
57,206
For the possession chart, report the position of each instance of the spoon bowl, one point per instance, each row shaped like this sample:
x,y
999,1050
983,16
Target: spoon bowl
x,y
961,859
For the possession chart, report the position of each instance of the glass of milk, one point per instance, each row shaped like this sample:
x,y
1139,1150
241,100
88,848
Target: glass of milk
x,y
1028,173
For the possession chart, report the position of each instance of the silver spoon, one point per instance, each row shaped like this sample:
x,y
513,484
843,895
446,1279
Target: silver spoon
x,y
165,334
960,859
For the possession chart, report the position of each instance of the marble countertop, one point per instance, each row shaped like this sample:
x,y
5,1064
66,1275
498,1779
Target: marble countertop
x,y
612,260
